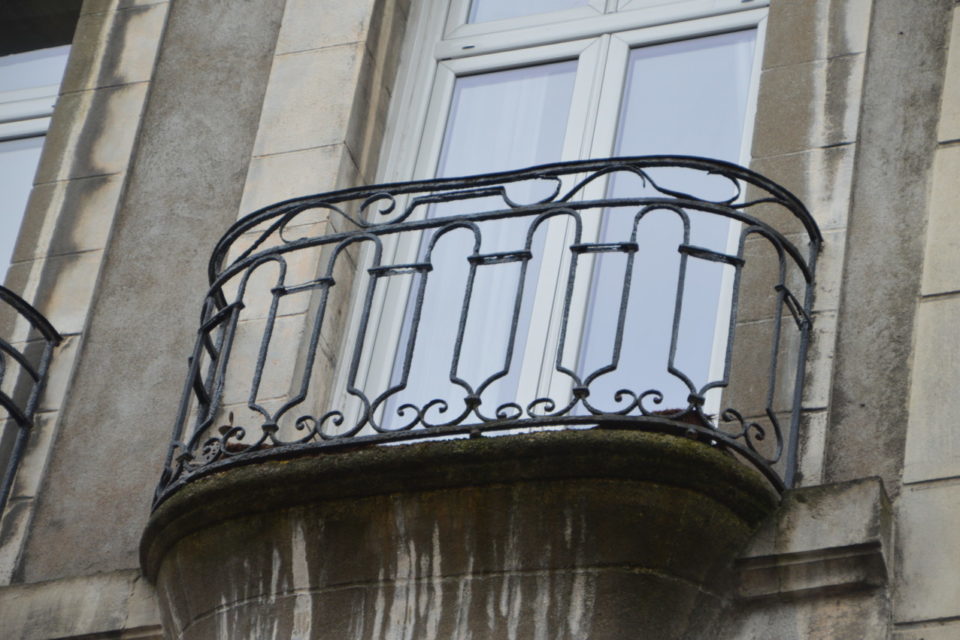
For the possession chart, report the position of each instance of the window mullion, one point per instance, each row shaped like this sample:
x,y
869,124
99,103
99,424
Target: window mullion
x,y
540,356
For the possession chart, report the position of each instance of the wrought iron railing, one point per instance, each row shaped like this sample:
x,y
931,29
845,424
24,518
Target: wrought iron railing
x,y
23,373
670,294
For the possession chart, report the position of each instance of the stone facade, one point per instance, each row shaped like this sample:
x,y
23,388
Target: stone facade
x,y
177,118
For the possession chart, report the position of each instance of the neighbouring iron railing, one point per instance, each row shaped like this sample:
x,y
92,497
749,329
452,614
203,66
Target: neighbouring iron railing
x,y
23,373
662,293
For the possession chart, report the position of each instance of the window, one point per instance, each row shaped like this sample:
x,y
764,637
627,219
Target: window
x,y
496,85
29,83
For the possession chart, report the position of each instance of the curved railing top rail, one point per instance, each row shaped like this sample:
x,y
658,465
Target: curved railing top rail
x,y
437,190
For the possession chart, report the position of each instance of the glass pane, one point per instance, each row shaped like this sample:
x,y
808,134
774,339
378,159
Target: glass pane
x,y
18,163
688,97
33,68
19,158
487,10
507,119
681,98
498,121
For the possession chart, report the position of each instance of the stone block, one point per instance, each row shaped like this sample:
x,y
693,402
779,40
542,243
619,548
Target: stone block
x,y
821,539
309,99
933,442
16,382
785,115
279,366
99,6
820,178
59,373
368,118
68,216
829,275
760,274
849,27
858,615
16,522
813,428
13,327
819,370
929,553
114,48
941,267
34,461
950,105
301,267
277,177
808,105
63,287
815,29
794,33
750,381
98,605
92,133
933,631
313,24
385,39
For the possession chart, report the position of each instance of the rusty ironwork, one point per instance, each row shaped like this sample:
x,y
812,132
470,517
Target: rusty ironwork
x,y
279,369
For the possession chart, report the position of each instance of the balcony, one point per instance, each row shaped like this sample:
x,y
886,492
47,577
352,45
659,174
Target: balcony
x,y
409,311
23,373
575,385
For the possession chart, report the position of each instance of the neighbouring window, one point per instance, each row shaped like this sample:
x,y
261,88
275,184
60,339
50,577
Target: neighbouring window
x,y
29,83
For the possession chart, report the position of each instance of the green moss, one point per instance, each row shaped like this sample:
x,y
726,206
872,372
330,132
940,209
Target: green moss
x,y
703,473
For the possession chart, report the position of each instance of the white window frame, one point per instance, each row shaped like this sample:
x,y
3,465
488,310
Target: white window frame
x,y
25,113
440,47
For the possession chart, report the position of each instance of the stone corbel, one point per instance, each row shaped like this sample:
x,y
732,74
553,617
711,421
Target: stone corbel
x,y
822,540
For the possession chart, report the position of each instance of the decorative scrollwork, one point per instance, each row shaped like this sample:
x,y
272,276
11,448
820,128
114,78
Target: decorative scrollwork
x,y
391,245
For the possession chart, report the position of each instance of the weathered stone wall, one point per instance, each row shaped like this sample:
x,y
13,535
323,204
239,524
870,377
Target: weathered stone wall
x,y
184,187
120,605
884,256
62,244
863,359
806,138
150,157
320,129
927,606
820,567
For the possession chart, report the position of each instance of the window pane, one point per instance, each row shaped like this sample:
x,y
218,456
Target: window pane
x,y
19,157
33,69
497,121
487,10
681,98
688,97
18,163
507,119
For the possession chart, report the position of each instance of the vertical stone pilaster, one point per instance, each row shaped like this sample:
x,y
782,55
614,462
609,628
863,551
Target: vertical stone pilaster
x,y
191,142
